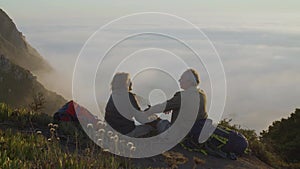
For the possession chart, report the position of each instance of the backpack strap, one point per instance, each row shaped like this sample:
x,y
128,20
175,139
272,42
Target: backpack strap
x,y
188,144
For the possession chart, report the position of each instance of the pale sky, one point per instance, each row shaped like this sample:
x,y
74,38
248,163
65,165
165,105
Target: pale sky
x,y
258,42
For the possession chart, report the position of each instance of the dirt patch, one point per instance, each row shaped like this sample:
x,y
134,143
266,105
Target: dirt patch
x,y
183,159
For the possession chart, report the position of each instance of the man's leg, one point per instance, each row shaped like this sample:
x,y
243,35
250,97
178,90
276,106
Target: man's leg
x,y
140,130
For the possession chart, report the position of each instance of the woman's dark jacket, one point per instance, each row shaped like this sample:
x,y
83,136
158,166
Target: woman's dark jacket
x,y
115,119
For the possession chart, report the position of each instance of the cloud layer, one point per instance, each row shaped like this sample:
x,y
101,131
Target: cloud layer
x,y
261,65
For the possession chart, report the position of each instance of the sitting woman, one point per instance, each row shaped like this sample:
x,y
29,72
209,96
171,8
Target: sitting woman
x,y
122,107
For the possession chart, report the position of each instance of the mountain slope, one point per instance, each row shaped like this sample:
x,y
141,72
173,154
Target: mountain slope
x,y
18,60
14,46
18,88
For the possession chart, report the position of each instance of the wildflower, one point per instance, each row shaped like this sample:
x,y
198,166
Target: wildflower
x,y
133,148
49,139
116,138
101,124
90,125
39,132
50,125
55,125
110,133
99,141
129,144
52,130
100,131
57,138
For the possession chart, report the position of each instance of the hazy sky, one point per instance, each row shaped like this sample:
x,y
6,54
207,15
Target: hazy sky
x,y
258,42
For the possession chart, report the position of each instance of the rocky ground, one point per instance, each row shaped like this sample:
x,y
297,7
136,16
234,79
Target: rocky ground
x,y
181,158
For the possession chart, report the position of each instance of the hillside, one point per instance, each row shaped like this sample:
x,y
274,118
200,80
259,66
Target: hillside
x,y
14,46
30,140
19,87
20,64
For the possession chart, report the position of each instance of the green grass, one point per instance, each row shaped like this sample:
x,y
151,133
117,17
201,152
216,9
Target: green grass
x,y
27,141
23,118
20,150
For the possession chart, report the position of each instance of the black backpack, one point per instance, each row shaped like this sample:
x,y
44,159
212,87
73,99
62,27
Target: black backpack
x,y
223,142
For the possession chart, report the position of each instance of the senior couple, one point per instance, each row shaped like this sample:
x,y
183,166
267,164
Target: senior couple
x,y
123,106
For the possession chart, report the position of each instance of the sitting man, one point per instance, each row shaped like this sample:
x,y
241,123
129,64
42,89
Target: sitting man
x,y
189,81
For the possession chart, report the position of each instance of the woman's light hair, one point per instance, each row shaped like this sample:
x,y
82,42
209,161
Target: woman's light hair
x,y
121,81
193,76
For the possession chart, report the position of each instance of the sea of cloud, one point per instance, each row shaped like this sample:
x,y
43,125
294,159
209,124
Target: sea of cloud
x,y
261,66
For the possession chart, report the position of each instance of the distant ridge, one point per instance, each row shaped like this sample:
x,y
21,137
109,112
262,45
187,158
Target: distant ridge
x,y
14,46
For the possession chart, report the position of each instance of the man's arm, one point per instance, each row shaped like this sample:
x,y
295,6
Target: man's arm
x,y
140,116
171,104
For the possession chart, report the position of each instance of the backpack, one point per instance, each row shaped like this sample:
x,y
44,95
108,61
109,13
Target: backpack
x,y
223,142
236,143
231,142
67,113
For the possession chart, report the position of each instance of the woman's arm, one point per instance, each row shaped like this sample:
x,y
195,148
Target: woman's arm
x,y
171,104
139,115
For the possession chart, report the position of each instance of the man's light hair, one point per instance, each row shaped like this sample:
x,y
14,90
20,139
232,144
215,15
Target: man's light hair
x,y
120,81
